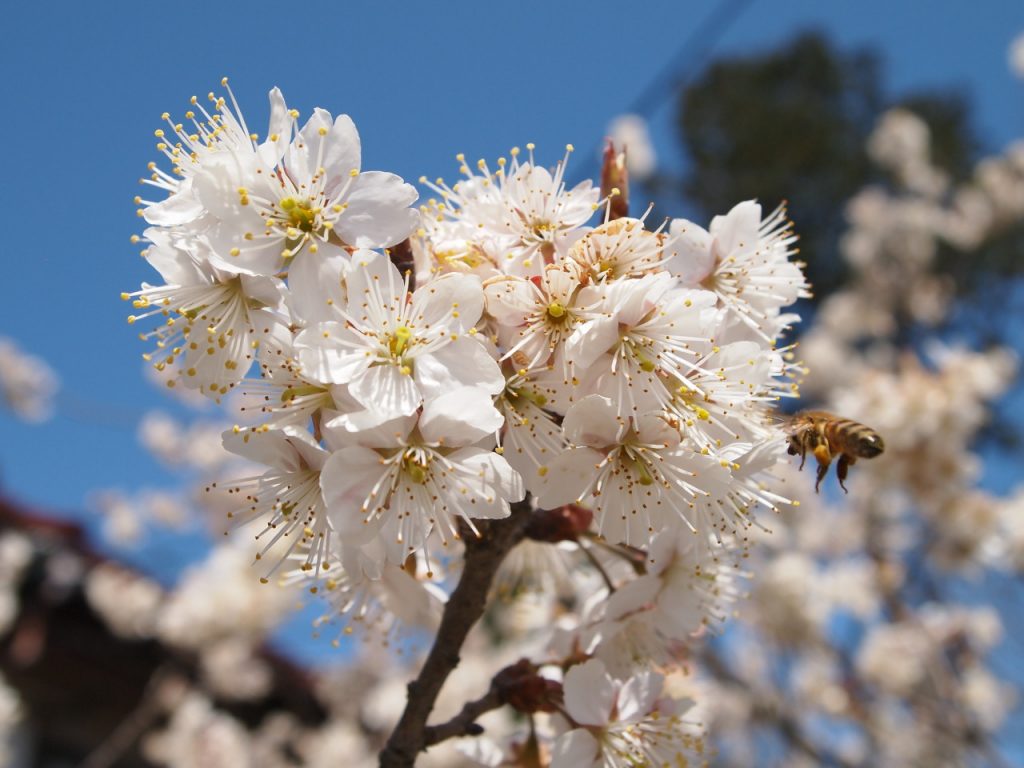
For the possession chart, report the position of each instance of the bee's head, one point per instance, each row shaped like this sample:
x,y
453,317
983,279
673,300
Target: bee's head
x,y
870,445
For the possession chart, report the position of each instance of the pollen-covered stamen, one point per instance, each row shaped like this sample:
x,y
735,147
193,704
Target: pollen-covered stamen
x,y
619,248
523,204
356,602
291,505
285,400
655,740
207,331
544,310
758,279
222,130
418,494
531,436
654,357
397,325
300,217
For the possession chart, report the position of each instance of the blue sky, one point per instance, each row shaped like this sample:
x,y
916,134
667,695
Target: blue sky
x,y
84,89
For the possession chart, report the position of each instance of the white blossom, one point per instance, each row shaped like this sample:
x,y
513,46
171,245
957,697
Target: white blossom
x,y
617,723
27,384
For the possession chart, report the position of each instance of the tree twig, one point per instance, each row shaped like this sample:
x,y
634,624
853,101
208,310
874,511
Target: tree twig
x,y
115,745
465,606
464,723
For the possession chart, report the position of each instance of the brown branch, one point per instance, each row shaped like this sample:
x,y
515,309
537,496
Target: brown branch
x,y
464,723
465,606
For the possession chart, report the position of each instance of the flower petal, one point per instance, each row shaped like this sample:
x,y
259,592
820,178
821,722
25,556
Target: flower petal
x,y
387,389
589,693
592,422
460,417
576,749
566,478
737,231
378,213
638,695
688,252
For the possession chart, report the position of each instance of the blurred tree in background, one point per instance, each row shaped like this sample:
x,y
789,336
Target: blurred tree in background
x,y
899,265
793,124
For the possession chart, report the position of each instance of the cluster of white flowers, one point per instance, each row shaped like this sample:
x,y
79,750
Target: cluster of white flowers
x,y
616,366
424,369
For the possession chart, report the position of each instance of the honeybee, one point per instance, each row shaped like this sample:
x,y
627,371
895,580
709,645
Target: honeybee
x,y
826,436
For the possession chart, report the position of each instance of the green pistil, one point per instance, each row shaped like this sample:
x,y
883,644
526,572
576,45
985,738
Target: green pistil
x,y
641,469
528,394
556,310
646,364
399,341
416,471
293,392
300,214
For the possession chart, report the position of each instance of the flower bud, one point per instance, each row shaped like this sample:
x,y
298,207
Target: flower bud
x,y
615,182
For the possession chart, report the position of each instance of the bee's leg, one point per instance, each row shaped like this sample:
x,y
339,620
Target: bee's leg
x,y
795,447
845,462
824,461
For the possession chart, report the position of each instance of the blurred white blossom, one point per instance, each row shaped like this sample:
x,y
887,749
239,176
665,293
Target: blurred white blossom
x,y
27,383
